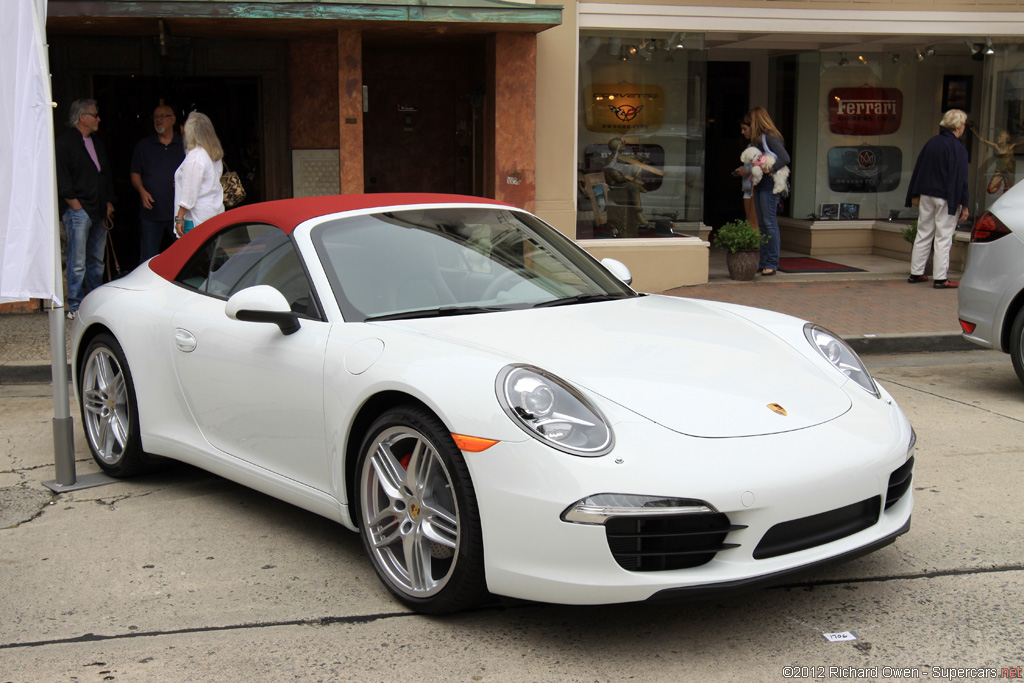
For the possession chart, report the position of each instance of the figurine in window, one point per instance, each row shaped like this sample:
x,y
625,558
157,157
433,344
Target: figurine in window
x,y
1005,171
623,174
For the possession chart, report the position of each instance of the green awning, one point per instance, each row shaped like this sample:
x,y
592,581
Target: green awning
x,y
427,11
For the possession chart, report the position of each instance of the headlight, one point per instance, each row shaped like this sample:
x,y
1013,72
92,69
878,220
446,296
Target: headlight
x,y
552,411
839,354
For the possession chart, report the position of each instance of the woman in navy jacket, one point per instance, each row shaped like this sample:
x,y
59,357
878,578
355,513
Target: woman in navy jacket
x,y
938,187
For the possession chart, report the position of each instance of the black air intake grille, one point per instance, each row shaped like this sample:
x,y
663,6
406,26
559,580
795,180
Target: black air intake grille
x,y
899,483
809,532
653,544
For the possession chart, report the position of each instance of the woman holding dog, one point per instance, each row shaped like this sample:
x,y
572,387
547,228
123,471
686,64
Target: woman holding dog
x,y
762,133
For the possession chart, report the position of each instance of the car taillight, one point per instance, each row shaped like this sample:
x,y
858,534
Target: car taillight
x,y
967,327
988,229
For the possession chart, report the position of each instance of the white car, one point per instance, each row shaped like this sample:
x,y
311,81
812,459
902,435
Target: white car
x,y
991,292
494,411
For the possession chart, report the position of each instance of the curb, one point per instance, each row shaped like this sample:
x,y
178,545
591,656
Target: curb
x,y
33,372
27,372
911,342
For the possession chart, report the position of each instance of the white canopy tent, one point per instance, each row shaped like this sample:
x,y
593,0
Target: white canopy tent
x,y
30,263
29,242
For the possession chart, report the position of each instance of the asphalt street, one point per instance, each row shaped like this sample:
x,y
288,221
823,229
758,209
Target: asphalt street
x,y
188,577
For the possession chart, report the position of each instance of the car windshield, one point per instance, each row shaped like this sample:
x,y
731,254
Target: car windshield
x,y
453,261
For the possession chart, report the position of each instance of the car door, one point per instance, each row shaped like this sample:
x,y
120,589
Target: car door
x,y
255,393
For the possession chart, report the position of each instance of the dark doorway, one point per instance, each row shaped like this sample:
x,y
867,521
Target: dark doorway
x,y
126,105
422,125
727,102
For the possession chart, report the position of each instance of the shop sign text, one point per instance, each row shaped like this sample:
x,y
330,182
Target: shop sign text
x,y
864,111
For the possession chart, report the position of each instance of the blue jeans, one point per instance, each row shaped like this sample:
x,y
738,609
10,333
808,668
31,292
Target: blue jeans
x,y
767,203
86,243
151,236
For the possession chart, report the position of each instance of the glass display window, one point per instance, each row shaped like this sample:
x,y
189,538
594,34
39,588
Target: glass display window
x,y
640,152
999,126
874,113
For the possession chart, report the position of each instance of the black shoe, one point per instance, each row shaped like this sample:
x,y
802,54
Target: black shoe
x,y
945,284
917,278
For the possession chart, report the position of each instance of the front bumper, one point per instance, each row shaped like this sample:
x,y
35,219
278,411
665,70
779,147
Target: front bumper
x,y
757,482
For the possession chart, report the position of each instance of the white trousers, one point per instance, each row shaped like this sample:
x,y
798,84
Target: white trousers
x,y
933,221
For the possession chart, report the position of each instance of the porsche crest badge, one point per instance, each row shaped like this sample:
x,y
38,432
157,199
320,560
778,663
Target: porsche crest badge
x,y
776,408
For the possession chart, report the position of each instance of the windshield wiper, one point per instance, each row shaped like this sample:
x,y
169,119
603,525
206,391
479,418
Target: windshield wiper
x,y
436,312
579,299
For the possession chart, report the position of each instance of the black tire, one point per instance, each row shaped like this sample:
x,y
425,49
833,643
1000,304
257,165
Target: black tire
x,y
1017,345
110,413
416,502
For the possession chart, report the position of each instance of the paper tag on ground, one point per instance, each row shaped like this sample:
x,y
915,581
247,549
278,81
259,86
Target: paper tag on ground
x,y
839,637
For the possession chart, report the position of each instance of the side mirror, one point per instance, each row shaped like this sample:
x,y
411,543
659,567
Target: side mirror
x,y
262,304
618,269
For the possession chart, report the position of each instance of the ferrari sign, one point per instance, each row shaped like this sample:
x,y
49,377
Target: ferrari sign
x,y
864,111
624,107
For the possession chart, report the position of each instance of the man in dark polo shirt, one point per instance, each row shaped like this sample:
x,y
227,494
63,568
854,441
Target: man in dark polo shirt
x,y
154,162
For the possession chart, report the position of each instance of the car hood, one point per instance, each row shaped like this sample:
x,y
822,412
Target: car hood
x,y
682,363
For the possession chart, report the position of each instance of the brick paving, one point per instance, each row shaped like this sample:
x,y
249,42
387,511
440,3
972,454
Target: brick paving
x,y
847,307
855,307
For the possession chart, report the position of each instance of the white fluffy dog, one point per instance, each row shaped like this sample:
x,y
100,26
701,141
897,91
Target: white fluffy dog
x,y
761,164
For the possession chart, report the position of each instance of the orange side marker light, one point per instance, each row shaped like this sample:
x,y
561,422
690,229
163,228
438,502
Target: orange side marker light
x,y
472,444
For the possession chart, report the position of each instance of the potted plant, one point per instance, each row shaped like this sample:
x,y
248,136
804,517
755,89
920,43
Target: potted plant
x,y
910,233
740,242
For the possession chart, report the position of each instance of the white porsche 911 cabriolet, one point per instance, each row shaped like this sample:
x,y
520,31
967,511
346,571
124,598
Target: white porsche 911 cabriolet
x,y
493,410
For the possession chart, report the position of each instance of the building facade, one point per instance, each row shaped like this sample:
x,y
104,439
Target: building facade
x,y
311,98
855,87
535,104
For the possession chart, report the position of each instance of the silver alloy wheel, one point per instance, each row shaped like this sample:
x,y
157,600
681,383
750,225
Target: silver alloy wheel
x,y
105,405
409,512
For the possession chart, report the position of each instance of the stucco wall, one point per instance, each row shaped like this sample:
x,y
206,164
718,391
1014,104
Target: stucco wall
x,y
657,264
556,123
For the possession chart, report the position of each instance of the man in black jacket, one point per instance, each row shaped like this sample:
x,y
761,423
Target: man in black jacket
x,y
85,183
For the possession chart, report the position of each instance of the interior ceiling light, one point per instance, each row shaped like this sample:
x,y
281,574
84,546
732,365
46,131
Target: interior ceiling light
x,y
843,61
920,57
973,47
929,51
860,58
895,57
988,47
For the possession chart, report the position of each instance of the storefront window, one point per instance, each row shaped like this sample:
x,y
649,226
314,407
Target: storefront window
x,y
874,113
1000,124
641,142
871,126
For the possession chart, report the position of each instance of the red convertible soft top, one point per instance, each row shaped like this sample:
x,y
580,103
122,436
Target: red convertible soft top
x,y
287,214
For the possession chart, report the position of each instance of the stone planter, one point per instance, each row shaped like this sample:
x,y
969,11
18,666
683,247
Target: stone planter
x,y
742,265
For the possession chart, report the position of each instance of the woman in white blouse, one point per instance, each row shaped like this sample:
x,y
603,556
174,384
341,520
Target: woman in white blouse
x,y
197,191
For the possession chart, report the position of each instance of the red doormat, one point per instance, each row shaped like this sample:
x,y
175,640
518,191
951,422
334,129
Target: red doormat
x,y
801,264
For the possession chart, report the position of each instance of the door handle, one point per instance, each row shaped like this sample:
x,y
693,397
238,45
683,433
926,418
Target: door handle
x,y
184,340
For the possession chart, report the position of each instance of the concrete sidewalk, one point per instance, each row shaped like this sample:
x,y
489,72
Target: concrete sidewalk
x,y
876,311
